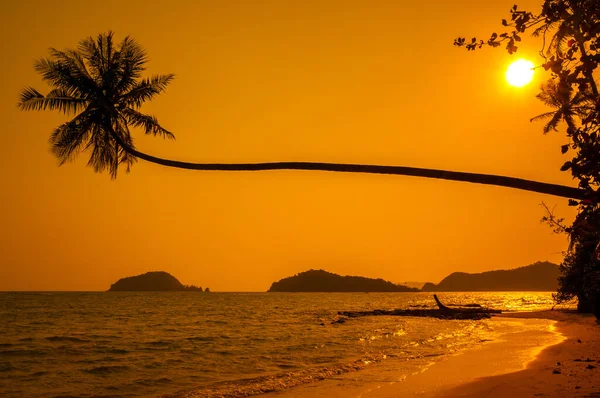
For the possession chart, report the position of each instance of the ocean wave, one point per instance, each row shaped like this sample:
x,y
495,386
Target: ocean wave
x,y
106,369
153,382
110,350
154,365
66,339
159,343
200,338
22,352
6,367
268,384
103,336
94,396
120,351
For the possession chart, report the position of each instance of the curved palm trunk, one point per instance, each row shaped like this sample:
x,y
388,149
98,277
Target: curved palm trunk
x,y
488,179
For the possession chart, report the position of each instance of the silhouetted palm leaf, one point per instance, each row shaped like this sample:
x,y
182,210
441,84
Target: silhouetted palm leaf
x,y
567,106
146,90
147,122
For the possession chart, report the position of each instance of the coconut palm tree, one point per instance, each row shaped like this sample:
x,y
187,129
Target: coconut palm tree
x,y
101,83
566,105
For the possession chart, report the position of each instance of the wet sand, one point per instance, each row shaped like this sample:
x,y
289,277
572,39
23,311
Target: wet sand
x,y
562,360
568,369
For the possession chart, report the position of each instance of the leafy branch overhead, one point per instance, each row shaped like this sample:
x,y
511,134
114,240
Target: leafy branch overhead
x,y
570,30
570,33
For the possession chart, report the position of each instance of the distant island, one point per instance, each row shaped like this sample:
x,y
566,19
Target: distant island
x,y
158,281
540,276
323,281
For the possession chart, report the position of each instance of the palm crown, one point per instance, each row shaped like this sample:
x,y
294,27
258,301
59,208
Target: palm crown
x,y
101,83
567,105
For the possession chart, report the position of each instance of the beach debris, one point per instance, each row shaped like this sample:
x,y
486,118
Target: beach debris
x,y
432,313
590,367
443,312
579,340
556,372
557,363
470,305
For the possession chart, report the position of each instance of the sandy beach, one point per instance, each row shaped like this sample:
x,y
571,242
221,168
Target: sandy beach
x,y
568,369
560,358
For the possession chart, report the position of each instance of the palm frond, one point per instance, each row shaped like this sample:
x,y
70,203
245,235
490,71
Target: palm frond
x,y
549,94
30,100
543,29
568,115
543,116
74,63
91,50
103,153
133,59
560,39
145,90
62,75
68,138
147,122
553,123
57,99
124,156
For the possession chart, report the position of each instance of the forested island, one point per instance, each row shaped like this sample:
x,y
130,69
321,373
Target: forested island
x,y
540,276
323,281
157,281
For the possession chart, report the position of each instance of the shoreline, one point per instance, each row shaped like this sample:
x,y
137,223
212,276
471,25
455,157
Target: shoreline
x,y
549,362
568,369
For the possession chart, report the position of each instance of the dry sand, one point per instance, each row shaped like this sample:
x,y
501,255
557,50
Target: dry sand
x,y
568,369
564,361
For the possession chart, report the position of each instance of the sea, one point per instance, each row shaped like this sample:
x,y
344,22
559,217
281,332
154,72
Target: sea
x,y
184,344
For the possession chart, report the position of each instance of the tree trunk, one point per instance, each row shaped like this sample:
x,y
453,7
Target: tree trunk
x,y
584,304
487,179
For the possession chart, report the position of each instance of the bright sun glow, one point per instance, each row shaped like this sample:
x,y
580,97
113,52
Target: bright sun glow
x,y
520,73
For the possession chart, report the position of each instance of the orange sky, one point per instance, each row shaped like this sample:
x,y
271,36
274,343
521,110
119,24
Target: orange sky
x,y
337,81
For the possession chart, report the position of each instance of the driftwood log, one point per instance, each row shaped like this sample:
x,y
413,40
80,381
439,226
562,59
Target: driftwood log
x,y
474,312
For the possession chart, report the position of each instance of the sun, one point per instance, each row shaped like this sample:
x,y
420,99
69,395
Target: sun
x,y
520,73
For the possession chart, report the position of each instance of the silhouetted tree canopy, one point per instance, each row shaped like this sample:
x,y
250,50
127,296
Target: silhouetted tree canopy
x,y
101,82
571,50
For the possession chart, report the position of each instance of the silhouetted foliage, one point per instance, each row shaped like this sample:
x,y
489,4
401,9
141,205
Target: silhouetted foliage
x,y
101,82
571,49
